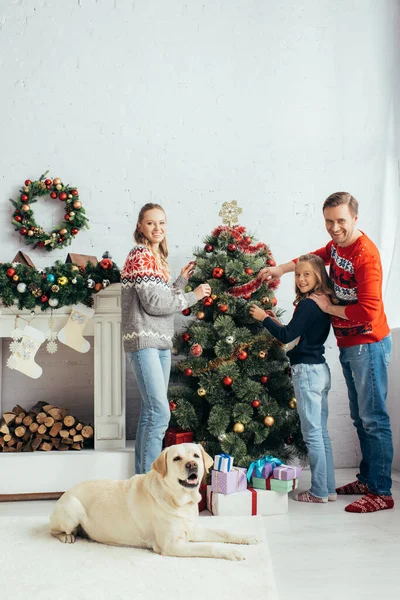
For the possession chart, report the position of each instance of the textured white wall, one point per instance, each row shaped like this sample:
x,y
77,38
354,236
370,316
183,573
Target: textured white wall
x,y
190,104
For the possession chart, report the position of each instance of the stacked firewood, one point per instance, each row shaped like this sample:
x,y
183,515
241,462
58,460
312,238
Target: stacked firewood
x,y
43,427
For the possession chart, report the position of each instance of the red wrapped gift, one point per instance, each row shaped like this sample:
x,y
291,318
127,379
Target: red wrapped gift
x,y
203,493
175,435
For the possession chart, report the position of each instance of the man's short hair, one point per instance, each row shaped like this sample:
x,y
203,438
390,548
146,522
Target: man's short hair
x,y
339,198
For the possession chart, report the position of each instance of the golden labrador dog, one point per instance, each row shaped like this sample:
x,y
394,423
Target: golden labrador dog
x,y
158,510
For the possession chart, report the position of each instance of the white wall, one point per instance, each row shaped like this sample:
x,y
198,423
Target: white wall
x,y
190,104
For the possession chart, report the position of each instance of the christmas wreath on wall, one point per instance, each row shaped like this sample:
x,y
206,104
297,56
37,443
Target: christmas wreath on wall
x,y
24,221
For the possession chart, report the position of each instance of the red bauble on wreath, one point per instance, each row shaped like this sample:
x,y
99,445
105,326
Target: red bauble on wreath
x,y
51,240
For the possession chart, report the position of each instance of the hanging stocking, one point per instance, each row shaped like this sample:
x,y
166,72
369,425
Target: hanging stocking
x,y
71,333
22,359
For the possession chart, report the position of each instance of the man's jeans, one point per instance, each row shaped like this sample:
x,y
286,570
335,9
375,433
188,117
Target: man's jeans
x,y
365,368
311,385
151,368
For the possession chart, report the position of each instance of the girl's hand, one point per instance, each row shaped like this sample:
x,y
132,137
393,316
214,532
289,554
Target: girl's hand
x,y
270,313
257,313
187,271
202,290
323,301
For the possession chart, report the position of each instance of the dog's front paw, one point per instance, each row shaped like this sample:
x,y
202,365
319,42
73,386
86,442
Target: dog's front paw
x,y
247,539
66,538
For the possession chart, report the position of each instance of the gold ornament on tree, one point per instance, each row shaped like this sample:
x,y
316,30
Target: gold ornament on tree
x,y
238,428
269,421
201,392
200,315
262,354
292,403
229,212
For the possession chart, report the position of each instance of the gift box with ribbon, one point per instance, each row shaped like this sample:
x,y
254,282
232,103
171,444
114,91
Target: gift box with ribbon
x,y
287,472
223,462
263,467
229,483
175,435
246,503
276,485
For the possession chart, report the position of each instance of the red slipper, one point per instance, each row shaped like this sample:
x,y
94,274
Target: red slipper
x,y
370,503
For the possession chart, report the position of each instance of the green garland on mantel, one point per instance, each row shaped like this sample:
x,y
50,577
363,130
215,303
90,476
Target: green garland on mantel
x,y
60,285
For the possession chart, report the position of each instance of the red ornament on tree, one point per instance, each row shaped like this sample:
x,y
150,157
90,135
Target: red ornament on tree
x,y
247,296
208,248
227,381
208,301
232,280
242,355
185,337
255,403
274,301
223,308
247,240
172,406
271,263
196,350
186,312
218,273
248,271
231,247
264,379
289,440
188,372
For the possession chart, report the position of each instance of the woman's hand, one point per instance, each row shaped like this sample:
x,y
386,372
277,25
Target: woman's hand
x,y
187,271
202,290
323,301
257,313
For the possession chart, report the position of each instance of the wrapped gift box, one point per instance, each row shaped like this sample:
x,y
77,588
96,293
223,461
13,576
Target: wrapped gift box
x,y
175,435
223,462
203,494
229,483
276,485
248,502
263,467
287,472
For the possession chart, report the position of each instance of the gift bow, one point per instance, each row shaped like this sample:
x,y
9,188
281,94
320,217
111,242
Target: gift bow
x,y
257,465
221,457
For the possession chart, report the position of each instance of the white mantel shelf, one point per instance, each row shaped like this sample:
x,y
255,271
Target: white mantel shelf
x,y
53,472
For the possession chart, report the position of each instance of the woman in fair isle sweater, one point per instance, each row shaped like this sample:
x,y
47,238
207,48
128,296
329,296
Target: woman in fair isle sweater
x,y
148,306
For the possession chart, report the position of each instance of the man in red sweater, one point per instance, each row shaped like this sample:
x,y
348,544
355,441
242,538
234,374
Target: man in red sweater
x,y
364,341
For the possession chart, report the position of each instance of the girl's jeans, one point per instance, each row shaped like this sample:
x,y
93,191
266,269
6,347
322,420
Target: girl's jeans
x,y
151,368
312,384
365,368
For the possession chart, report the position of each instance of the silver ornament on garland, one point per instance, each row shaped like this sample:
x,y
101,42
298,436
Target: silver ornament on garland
x,y
230,339
21,287
90,283
222,437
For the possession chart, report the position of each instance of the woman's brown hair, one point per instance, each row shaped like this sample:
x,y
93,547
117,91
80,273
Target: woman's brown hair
x,y
323,285
162,255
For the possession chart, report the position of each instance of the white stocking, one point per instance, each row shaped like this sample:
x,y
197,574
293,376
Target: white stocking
x,y
72,333
23,358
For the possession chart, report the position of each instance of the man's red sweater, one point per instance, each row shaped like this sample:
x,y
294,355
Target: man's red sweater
x,y
356,272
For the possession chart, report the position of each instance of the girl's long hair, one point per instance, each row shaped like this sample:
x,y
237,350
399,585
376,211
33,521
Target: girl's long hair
x,y
323,284
162,255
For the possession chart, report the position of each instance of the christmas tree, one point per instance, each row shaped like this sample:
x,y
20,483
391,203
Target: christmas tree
x,y
233,388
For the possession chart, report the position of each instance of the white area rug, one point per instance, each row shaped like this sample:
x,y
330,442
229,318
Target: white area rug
x,y
36,566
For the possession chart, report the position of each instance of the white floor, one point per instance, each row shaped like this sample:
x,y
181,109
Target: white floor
x,y
318,551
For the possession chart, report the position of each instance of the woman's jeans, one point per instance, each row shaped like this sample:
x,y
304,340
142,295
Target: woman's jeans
x,y
365,368
312,384
151,368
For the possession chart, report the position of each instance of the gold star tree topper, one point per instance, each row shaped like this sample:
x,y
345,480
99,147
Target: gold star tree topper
x,y
230,212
